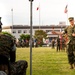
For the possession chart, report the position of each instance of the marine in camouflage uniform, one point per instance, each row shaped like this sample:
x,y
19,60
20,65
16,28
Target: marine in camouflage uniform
x,y
70,32
63,43
19,67
8,49
0,24
58,44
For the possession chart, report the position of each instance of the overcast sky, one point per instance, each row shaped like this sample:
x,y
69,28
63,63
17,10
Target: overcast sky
x,y
51,11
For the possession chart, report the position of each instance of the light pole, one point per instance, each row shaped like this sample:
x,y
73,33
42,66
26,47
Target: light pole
x,y
31,36
12,18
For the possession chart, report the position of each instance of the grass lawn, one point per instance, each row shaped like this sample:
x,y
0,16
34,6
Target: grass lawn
x,y
46,61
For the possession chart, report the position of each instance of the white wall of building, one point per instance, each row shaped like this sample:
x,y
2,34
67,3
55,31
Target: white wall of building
x,y
17,32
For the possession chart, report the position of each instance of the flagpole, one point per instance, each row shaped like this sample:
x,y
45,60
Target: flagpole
x,y
67,18
12,18
66,11
67,14
39,16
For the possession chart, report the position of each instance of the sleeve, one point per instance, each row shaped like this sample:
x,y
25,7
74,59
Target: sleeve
x,y
65,30
14,48
13,54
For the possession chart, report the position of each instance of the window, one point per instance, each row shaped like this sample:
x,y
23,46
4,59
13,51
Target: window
x,y
19,31
14,31
24,31
46,30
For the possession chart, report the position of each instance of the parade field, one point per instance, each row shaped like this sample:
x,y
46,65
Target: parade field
x,y
46,61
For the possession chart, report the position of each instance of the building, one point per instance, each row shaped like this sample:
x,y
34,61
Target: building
x,y
17,30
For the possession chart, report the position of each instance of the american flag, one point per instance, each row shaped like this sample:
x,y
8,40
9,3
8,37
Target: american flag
x,y
65,11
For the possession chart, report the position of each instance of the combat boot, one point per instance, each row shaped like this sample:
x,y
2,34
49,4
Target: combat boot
x,y
74,65
71,66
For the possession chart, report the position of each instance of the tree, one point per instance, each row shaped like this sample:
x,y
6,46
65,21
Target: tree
x,y
7,33
24,40
27,36
23,36
39,35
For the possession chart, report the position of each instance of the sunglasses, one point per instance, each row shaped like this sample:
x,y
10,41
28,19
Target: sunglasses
x,y
70,20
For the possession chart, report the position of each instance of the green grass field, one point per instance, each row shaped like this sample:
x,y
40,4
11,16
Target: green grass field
x,y
46,61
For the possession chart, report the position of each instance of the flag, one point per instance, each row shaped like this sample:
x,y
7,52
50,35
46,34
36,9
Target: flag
x,y
65,11
37,8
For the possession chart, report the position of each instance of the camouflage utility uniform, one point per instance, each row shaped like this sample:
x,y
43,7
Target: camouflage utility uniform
x,y
0,24
70,44
58,44
8,49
